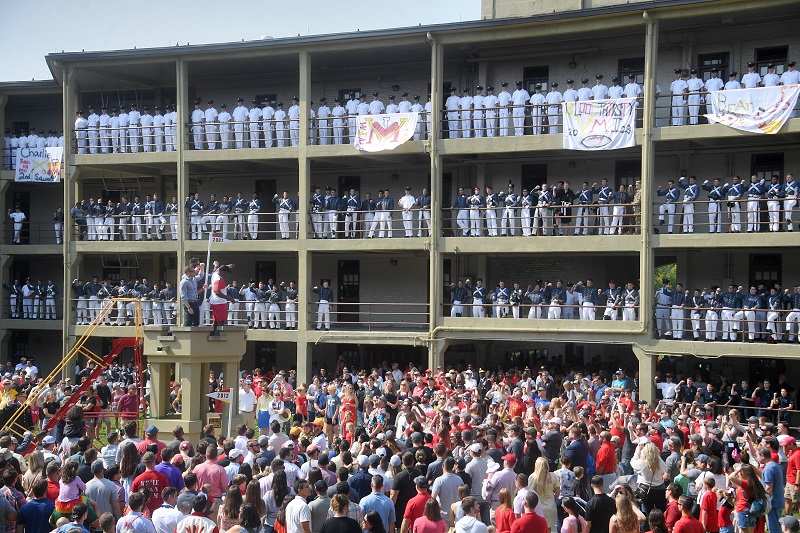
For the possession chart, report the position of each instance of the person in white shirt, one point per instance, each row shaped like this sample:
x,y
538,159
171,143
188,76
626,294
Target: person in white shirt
x,y
695,97
240,115
404,106
452,105
224,119
93,123
136,521
294,121
280,125
105,134
790,76
197,126
351,108
477,111
323,112
616,90
166,517
678,87
584,93
554,100
148,139
733,84
570,95
714,83
406,202
338,112
158,125
18,217
133,128
520,99
633,89
770,79
298,513
537,101
376,107
752,79
599,91
254,125
80,133
267,124
490,111
247,403
392,107
465,105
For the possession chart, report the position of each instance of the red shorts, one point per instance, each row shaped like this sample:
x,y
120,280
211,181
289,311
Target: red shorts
x,y
219,312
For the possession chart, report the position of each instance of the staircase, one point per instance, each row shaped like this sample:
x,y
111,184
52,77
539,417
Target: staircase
x,y
80,349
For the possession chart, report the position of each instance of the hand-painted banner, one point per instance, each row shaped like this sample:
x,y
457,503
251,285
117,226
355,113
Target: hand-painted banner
x,y
41,165
760,110
384,132
600,124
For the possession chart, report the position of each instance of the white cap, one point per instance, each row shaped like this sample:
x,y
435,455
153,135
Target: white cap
x,y
555,420
475,448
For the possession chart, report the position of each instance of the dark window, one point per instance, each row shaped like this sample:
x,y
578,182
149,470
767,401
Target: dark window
x,y
719,60
24,127
19,344
270,97
533,175
630,66
349,292
626,173
533,76
765,269
765,165
265,271
777,55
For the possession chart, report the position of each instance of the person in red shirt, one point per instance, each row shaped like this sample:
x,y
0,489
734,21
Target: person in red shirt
x,y
792,490
416,505
155,481
708,507
748,487
530,522
606,460
673,511
515,404
53,486
724,520
688,523
150,438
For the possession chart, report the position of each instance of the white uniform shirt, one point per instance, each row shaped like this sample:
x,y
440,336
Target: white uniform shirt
x,y
633,90
600,92
733,85
267,113
93,120
404,106
211,114
197,116
615,91
751,80
392,108
147,120
247,400
695,84
520,97
352,107
240,113
714,84
417,108
134,117
677,87
570,95
490,101
584,94
538,99
323,112
477,101
554,98
790,77
294,112
504,98
452,103
362,108
466,103
255,114
223,117
406,201
376,107
338,111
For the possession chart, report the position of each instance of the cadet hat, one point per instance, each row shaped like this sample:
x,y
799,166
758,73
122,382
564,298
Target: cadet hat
x,y
159,109
134,104
479,87
223,106
791,63
585,80
599,77
504,84
197,102
240,99
570,82
715,69
408,188
323,99
733,74
362,96
791,523
90,107
145,108
490,88
678,70
295,99
693,71
391,97
554,84
751,64
210,102
537,87
452,89
519,83
404,94
337,99
375,93
103,107
771,65
280,104
465,90
416,97
631,76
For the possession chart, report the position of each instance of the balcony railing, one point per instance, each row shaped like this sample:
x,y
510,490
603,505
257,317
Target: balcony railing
x,y
524,309
34,233
742,215
725,324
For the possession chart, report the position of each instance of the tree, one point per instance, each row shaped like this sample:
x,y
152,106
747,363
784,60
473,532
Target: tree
x,y
669,271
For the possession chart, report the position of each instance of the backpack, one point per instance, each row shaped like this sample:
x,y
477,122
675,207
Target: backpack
x,y
591,466
759,508
127,527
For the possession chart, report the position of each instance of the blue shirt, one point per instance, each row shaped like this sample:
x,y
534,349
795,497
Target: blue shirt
x,y
382,505
189,287
331,404
35,514
773,474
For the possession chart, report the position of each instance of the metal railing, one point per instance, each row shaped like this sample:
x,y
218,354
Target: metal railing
x,y
125,139
687,109
243,226
743,215
379,224
541,311
551,219
38,307
33,232
725,324
369,316
85,311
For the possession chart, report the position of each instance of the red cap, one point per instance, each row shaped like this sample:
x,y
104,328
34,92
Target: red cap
x,y
510,458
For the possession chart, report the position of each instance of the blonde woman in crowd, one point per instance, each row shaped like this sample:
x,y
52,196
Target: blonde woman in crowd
x,y
546,485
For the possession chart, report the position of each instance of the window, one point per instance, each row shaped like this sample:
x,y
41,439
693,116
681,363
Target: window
x,y
533,175
24,127
765,165
533,76
19,344
344,94
765,56
719,60
627,172
633,66
261,98
765,269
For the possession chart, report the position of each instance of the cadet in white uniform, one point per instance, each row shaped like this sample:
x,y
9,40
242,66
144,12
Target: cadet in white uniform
x,y
490,111
294,121
268,124
406,202
599,91
339,113
477,112
147,130
392,107
504,101
158,123
93,121
323,112
616,90
695,98
133,129
584,93
633,89
520,99
714,83
733,84
254,118
224,119
352,111
465,105
416,107
122,131
280,125
790,76
570,95
752,79
210,123
404,106
452,105
770,79
678,88
105,133
554,100
537,101
376,107
197,126
18,217
80,133
240,115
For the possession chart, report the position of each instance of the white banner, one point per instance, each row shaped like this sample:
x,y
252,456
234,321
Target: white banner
x,y
600,124
223,396
384,132
39,164
760,110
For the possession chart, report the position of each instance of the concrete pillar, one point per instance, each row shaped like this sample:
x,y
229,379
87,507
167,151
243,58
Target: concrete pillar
x,y
181,103
647,372
435,262
69,175
305,95
304,353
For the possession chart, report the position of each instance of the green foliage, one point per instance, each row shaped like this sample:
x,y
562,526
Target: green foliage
x,y
669,271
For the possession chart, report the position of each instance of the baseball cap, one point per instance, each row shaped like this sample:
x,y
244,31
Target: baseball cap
x,y
263,441
295,431
48,440
363,461
395,461
420,481
475,448
321,486
319,422
151,430
788,440
510,457
703,458
312,448
234,454
791,523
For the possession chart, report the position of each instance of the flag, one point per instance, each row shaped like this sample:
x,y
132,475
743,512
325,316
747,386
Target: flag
x,y
216,238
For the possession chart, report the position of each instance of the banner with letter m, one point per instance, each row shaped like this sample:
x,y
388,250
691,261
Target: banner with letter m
x,y
377,133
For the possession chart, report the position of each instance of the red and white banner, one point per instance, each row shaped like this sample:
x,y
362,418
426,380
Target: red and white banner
x,y
377,133
41,165
759,110
600,124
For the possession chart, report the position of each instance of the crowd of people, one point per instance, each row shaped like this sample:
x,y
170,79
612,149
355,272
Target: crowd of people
x,y
509,450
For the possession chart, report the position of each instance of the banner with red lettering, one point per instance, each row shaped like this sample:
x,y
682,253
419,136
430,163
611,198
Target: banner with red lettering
x,y
600,124
759,110
377,133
